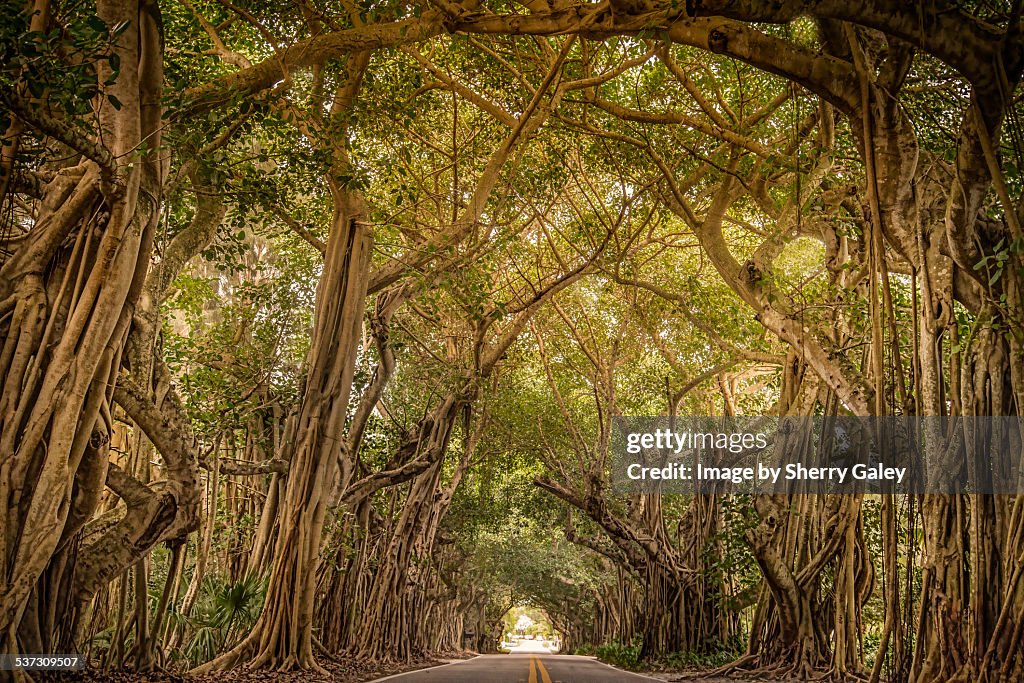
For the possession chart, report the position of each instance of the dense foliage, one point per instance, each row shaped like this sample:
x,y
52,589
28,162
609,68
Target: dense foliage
x,y
314,319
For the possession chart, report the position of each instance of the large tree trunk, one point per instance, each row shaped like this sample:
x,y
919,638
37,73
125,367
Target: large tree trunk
x,y
282,637
387,619
69,309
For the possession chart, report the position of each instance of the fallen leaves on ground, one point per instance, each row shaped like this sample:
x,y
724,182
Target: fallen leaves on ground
x,y
339,671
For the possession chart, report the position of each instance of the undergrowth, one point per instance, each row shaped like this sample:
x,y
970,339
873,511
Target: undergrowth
x,y
627,656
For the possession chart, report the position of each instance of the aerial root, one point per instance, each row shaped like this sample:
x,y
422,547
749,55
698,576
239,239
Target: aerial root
x,y
801,670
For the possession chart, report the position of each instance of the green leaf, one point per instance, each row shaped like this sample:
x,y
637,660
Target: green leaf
x,y
96,24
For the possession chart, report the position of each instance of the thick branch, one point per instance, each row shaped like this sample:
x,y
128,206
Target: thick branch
x,y
307,53
242,468
966,43
170,434
62,131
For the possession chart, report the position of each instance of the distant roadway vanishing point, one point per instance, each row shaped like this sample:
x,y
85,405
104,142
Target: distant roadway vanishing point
x,y
521,668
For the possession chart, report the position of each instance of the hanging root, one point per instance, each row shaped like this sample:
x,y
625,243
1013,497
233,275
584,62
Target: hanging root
x,y
228,660
798,669
730,667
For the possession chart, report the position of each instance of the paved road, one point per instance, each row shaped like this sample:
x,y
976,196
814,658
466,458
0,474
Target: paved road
x,y
520,668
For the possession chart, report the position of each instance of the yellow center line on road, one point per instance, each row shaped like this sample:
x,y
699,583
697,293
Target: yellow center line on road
x,y
543,672
533,671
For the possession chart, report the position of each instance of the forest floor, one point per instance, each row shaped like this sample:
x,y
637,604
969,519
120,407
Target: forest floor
x,y
705,676
337,672
698,677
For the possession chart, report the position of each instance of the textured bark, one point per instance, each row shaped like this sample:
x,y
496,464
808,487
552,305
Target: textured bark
x,y
51,405
282,637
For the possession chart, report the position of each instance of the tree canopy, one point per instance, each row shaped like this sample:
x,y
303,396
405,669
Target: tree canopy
x,y
314,320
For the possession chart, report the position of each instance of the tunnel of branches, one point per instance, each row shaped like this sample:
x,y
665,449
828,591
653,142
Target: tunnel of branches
x,y
314,319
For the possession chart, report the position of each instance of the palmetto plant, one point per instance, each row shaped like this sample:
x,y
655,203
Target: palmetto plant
x,y
223,612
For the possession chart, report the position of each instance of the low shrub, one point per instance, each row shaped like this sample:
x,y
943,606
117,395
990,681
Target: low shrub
x,y
626,656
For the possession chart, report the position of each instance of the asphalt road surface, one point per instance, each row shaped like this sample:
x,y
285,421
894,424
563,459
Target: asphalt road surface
x,y
522,668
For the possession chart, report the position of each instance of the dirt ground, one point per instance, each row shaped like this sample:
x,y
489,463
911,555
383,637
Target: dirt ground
x,y
697,677
337,672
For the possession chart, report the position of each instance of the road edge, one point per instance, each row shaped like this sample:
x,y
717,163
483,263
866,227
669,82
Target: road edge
x,y
414,671
627,671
